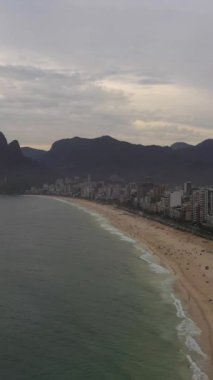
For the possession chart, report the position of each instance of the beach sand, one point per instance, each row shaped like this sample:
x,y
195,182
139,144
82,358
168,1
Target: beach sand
x,y
188,256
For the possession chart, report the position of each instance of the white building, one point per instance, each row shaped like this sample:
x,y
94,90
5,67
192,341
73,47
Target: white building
x,y
175,199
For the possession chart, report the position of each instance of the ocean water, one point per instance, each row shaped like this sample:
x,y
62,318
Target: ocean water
x,y
80,300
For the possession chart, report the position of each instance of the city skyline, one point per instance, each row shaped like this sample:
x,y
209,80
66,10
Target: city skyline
x,y
187,204
139,71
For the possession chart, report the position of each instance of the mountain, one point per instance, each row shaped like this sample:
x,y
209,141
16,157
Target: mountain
x,y
18,172
34,154
108,158
180,146
105,157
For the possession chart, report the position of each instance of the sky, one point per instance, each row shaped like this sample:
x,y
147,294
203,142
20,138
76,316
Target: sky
x,y
138,70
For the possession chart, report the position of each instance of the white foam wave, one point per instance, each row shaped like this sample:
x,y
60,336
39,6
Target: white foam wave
x,y
178,305
166,287
189,330
188,327
156,268
149,258
115,231
103,222
196,371
193,346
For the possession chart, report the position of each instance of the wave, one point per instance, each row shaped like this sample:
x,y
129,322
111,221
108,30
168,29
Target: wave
x,y
178,305
103,222
115,231
189,330
193,346
188,327
156,268
196,371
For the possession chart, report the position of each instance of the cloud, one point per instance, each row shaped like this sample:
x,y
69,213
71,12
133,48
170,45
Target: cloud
x,y
44,103
166,132
97,67
159,100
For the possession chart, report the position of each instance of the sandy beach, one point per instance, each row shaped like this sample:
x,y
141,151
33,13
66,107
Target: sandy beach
x,y
188,256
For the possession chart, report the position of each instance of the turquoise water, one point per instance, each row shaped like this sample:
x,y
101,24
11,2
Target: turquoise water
x,y
77,301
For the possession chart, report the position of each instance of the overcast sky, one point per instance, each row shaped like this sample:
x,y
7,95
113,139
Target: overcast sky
x,y
139,70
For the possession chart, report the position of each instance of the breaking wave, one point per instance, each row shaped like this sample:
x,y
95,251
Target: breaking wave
x,y
189,331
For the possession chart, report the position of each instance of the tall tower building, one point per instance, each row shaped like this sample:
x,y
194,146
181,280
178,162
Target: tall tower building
x,y
199,205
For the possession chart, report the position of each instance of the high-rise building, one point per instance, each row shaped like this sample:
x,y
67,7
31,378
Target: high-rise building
x,y
199,205
187,211
187,188
210,201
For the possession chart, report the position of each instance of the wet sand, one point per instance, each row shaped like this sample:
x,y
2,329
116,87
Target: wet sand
x,y
188,256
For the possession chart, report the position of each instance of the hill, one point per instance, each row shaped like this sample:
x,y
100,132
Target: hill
x,y
180,146
105,157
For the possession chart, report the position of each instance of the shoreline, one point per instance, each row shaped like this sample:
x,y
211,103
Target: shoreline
x,y
188,257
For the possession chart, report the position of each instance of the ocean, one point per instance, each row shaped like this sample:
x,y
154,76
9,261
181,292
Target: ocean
x,y
79,300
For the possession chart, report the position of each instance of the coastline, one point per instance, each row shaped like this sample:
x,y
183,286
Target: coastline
x,y
189,257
